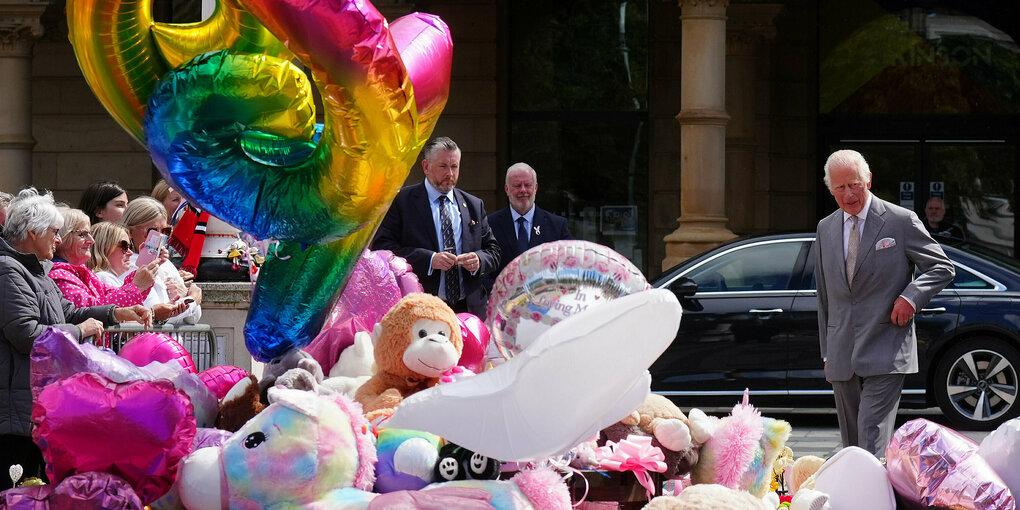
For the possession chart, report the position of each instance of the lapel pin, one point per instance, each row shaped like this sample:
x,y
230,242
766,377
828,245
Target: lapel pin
x,y
538,230
473,222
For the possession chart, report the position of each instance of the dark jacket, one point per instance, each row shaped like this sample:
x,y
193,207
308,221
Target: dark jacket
x,y
408,230
29,302
547,227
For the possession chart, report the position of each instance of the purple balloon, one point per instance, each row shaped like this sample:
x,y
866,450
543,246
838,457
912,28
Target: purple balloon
x,y
83,491
378,281
933,466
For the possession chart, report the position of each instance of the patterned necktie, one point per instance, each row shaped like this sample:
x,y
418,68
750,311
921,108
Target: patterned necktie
x,y
852,245
452,275
522,235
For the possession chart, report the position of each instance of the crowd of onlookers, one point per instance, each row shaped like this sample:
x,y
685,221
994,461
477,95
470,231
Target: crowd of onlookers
x,y
76,269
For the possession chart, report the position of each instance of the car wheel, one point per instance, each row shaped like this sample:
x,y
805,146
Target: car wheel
x,y
976,383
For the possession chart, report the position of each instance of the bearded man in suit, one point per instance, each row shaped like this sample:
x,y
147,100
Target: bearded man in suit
x,y
442,231
522,224
865,258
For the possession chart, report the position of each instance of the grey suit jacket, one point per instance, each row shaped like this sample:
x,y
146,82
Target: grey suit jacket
x,y
854,326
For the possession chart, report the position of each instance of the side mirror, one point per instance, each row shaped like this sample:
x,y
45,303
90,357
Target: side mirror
x,y
683,287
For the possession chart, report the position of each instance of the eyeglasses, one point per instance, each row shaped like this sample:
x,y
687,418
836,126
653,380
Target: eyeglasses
x,y
124,246
165,230
81,233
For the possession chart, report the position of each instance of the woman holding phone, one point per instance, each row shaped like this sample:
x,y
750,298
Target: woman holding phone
x,y
109,258
145,214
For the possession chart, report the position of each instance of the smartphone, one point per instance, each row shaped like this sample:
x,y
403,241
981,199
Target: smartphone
x,y
150,250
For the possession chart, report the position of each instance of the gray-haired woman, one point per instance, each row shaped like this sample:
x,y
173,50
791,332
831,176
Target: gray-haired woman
x,y
29,304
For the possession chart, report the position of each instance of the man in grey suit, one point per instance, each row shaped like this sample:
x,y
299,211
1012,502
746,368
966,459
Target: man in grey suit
x,y
865,258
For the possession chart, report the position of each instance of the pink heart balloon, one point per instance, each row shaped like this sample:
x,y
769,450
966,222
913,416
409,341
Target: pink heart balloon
x,y
148,347
476,342
137,430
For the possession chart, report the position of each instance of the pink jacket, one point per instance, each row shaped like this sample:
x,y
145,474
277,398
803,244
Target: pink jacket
x,y
83,288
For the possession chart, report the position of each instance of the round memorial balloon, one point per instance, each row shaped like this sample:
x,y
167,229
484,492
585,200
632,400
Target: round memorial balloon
x,y
551,282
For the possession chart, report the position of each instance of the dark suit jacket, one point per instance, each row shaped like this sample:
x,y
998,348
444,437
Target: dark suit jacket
x,y
551,227
854,329
408,230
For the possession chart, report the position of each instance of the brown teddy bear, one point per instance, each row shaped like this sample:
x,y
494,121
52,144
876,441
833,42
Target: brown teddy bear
x,y
670,430
416,342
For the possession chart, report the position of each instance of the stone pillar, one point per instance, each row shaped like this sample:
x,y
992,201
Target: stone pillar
x,y
703,118
19,28
748,26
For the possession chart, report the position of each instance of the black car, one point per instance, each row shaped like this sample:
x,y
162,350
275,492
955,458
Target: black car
x,y
750,321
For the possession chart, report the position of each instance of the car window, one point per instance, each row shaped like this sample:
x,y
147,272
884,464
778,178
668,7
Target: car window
x,y
964,280
749,268
968,280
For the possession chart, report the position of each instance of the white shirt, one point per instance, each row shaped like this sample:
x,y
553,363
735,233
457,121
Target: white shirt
x,y
159,293
454,210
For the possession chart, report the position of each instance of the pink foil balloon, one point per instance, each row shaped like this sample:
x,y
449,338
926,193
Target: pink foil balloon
x,y
934,466
148,347
221,378
424,43
476,342
137,430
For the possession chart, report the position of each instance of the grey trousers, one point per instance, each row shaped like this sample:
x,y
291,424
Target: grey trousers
x,y
866,408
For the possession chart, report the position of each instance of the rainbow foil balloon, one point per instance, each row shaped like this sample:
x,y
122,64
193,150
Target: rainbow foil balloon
x,y
232,130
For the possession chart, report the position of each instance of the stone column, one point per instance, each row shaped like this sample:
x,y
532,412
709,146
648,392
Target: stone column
x,y
703,118
749,26
19,28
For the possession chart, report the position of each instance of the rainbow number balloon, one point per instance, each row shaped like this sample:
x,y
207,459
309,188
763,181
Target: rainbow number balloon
x,y
234,133
551,282
232,129
123,52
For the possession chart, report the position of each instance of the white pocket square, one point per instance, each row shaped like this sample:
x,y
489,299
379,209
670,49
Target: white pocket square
x,y
887,242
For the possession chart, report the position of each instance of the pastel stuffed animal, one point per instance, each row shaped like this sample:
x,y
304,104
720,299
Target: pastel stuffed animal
x,y
741,450
355,366
302,446
416,342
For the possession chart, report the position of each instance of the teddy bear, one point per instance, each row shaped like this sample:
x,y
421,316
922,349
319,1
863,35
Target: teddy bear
x,y
416,342
669,428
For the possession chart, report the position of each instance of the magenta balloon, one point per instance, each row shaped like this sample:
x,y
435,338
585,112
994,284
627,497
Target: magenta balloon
x,y
425,46
148,347
137,430
476,342
221,378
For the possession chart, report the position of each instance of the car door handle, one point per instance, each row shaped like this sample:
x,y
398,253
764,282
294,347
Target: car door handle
x,y
940,309
771,310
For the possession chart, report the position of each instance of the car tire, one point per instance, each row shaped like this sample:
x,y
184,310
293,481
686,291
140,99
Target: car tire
x,y
981,400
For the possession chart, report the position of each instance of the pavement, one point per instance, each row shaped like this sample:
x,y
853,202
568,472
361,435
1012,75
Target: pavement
x,y
816,432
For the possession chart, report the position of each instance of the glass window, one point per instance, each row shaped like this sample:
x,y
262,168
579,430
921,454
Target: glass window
x,y
747,269
579,115
967,280
918,57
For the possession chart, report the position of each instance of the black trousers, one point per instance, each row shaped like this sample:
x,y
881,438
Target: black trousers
x,y
20,450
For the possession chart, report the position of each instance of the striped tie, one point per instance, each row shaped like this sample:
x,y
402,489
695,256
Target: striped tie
x,y
452,276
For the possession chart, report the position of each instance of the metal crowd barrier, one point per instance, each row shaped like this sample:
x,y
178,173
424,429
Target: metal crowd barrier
x,y
198,339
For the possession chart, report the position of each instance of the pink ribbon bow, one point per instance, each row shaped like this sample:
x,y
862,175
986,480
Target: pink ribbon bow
x,y
635,454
